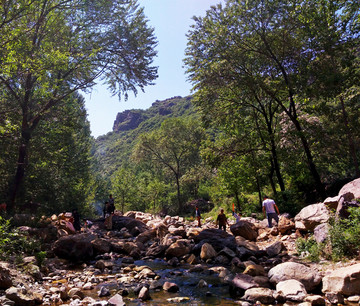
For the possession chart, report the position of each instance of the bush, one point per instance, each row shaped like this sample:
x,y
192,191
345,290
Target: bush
x,y
308,248
13,242
345,235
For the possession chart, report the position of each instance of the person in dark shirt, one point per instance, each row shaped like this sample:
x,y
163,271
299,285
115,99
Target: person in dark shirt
x,y
76,220
111,204
221,220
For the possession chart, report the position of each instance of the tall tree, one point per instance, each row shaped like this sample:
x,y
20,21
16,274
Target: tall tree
x,y
51,48
174,147
267,46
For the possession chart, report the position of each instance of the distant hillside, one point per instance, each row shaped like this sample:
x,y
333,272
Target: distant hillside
x,y
113,149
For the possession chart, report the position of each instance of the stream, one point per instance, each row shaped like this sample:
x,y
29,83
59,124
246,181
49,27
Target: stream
x,y
215,292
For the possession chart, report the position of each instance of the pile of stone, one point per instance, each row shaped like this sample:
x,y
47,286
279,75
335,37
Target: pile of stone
x,y
257,263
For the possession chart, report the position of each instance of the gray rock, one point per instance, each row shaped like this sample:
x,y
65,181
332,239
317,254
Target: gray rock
x,y
144,294
353,187
240,283
207,251
321,232
178,249
76,247
5,278
22,297
170,287
312,215
275,249
345,281
244,229
292,270
263,295
292,290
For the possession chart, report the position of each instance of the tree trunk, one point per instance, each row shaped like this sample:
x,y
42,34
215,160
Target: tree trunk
x,y
271,177
237,201
318,184
350,138
178,193
259,190
18,180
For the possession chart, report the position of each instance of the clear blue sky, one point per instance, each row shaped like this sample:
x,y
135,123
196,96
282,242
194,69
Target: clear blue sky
x,y
171,20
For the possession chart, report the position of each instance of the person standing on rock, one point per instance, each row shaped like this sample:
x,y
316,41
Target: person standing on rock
x,y
270,210
198,215
76,218
221,220
112,204
237,216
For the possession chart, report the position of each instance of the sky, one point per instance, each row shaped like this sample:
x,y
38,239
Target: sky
x,y
171,20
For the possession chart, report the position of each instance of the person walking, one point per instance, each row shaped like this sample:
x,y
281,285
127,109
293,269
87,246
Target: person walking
x,y
198,216
221,220
270,210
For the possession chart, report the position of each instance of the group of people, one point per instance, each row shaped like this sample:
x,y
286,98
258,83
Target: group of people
x,y
269,208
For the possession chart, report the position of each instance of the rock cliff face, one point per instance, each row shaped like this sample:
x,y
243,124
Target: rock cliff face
x,y
131,119
128,120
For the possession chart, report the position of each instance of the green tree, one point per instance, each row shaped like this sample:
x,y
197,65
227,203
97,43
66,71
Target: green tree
x,y
59,166
174,147
247,47
124,187
51,49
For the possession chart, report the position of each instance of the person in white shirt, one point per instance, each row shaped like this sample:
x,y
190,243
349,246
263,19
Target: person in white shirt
x,y
270,210
237,216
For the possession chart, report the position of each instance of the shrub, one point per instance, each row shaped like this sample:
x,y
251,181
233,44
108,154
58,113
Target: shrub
x,y
13,242
345,235
308,248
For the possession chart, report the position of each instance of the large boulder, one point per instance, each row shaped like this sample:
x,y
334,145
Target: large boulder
x,y
321,232
352,187
101,245
207,251
344,281
146,236
275,249
285,225
74,247
292,290
135,227
292,270
156,250
240,283
263,295
311,216
5,278
219,239
21,296
178,249
244,229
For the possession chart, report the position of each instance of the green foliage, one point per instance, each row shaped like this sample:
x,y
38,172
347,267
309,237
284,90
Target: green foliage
x,y
292,203
250,63
343,242
40,258
345,235
13,242
173,150
308,248
49,54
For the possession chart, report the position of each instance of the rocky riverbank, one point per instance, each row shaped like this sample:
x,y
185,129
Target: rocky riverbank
x,y
159,261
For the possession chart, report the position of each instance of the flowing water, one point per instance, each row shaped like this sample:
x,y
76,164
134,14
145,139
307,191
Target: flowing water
x,y
215,293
